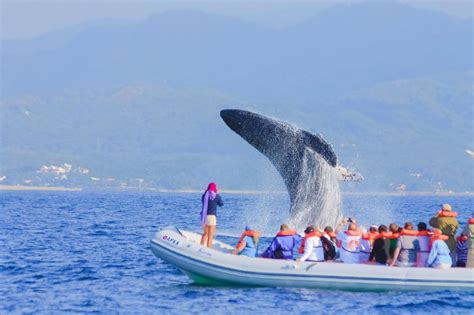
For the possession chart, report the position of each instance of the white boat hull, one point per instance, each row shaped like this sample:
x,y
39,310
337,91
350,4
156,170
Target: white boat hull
x,y
218,266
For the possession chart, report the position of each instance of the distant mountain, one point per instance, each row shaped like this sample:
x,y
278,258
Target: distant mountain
x,y
388,85
347,47
175,138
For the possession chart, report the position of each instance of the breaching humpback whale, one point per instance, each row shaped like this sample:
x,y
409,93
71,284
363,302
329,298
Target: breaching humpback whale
x,y
304,160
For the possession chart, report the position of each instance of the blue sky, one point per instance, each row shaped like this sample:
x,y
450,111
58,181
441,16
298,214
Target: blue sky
x,y
26,19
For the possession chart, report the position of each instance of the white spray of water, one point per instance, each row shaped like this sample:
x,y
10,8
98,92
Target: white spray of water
x,y
317,203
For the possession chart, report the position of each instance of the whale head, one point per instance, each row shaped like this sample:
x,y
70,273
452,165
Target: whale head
x,y
264,132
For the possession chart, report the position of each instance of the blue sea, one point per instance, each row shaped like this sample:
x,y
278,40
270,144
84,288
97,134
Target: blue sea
x,y
88,252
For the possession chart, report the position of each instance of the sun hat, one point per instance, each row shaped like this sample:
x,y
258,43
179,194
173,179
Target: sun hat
x,y
446,207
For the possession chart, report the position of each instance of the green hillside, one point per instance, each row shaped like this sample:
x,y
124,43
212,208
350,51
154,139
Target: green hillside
x,y
174,138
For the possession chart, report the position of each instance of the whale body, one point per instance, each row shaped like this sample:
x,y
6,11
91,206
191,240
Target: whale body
x,y
305,161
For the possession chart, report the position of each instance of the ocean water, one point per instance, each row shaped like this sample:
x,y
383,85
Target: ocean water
x,y
88,252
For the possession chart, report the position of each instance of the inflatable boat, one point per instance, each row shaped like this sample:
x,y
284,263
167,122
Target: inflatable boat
x,y
219,266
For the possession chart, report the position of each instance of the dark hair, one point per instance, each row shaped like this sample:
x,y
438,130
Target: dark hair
x,y
422,226
328,229
382,228
309,229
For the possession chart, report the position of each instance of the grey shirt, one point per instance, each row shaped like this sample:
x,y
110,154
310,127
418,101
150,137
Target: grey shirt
x,y
409,246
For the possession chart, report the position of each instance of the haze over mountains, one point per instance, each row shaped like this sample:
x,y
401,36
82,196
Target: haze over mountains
x,y
388,85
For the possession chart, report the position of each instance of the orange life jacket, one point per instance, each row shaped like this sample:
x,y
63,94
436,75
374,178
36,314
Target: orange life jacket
x,y
470,221
370,236
409,232
353,233
447,214
425,233
247,233
437,235
388,235
312,234
462,238
286,233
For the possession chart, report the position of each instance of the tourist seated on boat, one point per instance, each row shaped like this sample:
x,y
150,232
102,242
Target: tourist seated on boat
x,y
348,242
311,246
461,251
248,243
282,244
446,221
365,246
380,249
407,247
329,244
341,224
329,234
440,254
393,229
424,237
373,232
469,232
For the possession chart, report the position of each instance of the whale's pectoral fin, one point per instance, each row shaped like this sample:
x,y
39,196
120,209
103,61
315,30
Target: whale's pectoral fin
x,y
318,144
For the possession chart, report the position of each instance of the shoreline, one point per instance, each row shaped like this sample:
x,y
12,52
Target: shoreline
x,y
37,188
234,191
348,193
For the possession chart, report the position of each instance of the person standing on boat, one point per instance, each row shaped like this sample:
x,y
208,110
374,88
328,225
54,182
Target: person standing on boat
x,y
210,200
446,221
469,232
282,244
407,247
311,246
247,245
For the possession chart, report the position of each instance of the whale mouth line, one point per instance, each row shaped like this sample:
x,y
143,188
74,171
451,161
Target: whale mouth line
x,y
229,119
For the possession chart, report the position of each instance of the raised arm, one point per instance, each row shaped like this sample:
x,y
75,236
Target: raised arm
x,y
220,203
340,225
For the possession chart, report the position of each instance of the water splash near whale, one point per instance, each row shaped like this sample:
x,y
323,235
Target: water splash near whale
x,y
325,197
